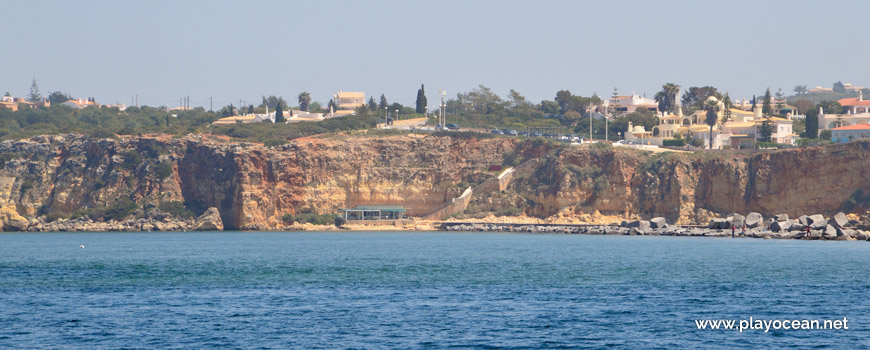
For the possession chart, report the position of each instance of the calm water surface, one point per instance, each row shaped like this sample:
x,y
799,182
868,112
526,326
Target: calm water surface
x,y
422,290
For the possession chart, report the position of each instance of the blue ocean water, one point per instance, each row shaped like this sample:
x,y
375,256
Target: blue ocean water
x,y
408,290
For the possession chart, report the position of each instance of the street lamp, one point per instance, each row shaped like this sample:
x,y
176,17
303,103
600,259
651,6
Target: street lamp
x,y
397,114
385,116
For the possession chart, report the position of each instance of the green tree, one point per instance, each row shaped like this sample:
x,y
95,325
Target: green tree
x,y
383,103
800,90
372,104
483,100
812,123
712,107
830,107
250,109
766,130
421,100
727,101
839,87
34,95
753,103
563,98
549,107
332,106
272,102
361,109
825,135
315,107
58,97
279,114
695,97
766,108
667,98
304,100
519,100
583,105
227,111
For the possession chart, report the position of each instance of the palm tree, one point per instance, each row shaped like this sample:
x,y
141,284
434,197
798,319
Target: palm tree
x,y
667,98
712,108
304,101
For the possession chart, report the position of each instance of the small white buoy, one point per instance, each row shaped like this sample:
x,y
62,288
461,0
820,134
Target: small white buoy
x,y
82,246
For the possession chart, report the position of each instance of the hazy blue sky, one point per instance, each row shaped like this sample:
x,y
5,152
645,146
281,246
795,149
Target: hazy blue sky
x,y
230,50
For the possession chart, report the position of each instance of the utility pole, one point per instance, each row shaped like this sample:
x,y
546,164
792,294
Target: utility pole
x,y
210,104
442,110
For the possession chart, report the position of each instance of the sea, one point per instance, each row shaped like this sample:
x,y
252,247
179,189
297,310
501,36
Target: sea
x,y
424,290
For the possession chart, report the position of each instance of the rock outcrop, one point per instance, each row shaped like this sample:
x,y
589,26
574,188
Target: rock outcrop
x,y
209,221
10,220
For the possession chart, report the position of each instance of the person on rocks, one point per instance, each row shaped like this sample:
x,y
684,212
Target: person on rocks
x,y
732,231
743,231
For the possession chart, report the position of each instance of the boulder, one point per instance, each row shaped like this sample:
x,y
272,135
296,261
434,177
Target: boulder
x,y
838,220
777,226
817,222
846,233
861,235
780,217
738,220
796,226
10,220
804,220
829,233
717,224
753,220
639,224
658,222
209,221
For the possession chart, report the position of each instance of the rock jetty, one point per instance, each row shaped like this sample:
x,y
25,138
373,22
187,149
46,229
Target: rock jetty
x,y
753,225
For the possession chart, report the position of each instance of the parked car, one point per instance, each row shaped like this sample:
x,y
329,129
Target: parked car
x,y
510,132
497,132
452,126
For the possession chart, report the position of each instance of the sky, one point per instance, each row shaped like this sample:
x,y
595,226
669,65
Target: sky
x,y
232,51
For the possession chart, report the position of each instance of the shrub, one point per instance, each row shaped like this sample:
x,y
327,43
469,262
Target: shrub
x,y
5,157
175,208
697,143
163,170
316,219
771,145
339,221
825,134
103,134
674,142
274,142
120,209
132,160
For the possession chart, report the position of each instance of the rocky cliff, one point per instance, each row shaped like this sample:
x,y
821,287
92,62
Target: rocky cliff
x,y
50,178
251,186
691,188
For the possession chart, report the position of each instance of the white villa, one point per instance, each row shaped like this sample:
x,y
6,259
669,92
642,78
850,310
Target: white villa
x,y
742,129
632,103
856,110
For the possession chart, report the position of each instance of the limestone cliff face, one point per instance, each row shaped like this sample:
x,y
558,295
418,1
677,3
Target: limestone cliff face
x,y
254,186
689,188
251,186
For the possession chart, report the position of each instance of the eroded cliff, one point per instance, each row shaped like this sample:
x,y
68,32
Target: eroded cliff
x,y
253,186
